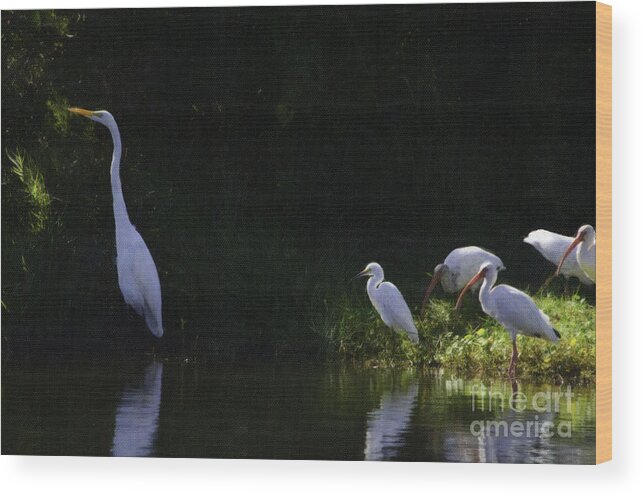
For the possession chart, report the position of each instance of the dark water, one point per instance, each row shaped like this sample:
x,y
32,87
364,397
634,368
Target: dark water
x,y
302,410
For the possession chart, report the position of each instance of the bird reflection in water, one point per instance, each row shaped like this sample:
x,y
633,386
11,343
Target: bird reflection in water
x,y
387,425
494,441
137,414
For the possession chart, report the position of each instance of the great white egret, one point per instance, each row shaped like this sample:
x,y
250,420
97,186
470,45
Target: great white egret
x,y
552,246
516,311
137,275
585,240
458,269
388,301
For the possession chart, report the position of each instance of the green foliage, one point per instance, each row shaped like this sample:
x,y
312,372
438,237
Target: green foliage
x,y
35,190
59,117
468,342
31,43
47,247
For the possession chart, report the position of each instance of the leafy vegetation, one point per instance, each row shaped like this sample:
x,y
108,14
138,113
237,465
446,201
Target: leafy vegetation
x,y
468,342
42,272
34,188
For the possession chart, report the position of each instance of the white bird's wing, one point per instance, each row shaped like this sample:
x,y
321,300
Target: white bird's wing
x,y
392,305
140,281
519,314
552,246
148,280
465,262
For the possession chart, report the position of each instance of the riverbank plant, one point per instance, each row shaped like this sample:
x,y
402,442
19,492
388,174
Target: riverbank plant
x,y
469,342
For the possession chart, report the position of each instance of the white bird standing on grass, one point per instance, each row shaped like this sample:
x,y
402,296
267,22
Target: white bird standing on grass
x,y
137,275
552,246
389,302
585,240
458,269
516,311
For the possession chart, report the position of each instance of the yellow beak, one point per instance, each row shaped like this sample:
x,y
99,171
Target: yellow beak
x,y
361,274
80,111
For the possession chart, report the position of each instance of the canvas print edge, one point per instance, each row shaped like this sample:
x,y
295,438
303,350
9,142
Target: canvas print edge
x,y
604,226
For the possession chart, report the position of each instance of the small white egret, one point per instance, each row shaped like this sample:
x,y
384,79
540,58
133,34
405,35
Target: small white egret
x,y
137,275
586,252
552,246
516,311
388,301
458,269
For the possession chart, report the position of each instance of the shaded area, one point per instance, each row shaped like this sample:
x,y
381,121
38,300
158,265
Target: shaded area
x,y
269,153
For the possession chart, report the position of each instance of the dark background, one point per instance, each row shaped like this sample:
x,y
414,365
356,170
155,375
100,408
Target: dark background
x,y
270,153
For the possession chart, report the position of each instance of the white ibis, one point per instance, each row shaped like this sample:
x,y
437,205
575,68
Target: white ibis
x,y
458,269
516,311
552,246
388,301
585,240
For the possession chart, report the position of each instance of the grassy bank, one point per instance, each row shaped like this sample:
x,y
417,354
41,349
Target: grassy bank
x,y
468,343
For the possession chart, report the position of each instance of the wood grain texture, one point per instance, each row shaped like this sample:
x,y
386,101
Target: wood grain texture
x,y
604,229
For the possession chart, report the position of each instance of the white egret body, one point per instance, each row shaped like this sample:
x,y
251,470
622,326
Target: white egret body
x,y
137,275
389,302
585,245
552,246
458,269
515,310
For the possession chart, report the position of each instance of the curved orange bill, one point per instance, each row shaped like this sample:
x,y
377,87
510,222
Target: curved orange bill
x,y
571,247
434,281
473,280
80,111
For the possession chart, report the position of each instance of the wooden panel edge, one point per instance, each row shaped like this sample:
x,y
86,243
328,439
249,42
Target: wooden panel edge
x,y
604,232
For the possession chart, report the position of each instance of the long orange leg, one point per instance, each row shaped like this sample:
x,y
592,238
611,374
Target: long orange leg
x,y
514,361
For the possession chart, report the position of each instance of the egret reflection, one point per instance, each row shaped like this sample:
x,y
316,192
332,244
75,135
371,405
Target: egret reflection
x,y
137,415
387,425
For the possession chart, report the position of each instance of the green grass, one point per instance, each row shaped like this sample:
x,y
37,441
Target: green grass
x,y
34,188
468,342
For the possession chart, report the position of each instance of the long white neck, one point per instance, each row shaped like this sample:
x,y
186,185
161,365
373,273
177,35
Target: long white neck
x,y
120,210
487,284
374,281
589,242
